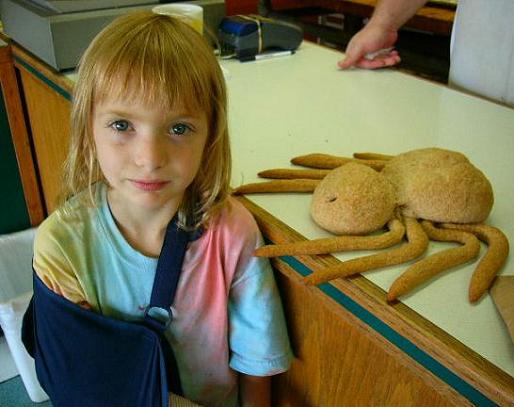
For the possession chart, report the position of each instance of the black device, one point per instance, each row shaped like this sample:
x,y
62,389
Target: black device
x,y
245,36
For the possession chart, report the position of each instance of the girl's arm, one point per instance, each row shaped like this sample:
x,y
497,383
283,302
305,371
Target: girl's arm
x,y
254,391
51,263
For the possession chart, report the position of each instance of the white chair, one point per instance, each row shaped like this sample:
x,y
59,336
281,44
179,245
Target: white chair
x,y
15,293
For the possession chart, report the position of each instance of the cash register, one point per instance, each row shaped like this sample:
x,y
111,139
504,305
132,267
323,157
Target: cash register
x,y
58,31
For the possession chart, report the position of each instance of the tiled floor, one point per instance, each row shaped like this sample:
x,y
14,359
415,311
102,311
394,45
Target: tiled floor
x,y
12,390
13,394
7,366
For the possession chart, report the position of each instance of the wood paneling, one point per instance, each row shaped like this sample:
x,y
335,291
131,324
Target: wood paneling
x,y
20,137
341,362
49,122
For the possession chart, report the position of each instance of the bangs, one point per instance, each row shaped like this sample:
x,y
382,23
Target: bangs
x,y
152,69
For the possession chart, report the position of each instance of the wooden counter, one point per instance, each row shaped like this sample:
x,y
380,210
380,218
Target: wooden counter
x,y
20,136
303,104
351,347
46,95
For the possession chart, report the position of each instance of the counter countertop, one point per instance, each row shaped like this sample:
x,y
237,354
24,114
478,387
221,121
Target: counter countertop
x,y
284,107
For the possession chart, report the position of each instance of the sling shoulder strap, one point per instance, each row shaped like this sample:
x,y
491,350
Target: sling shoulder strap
x,y
158,313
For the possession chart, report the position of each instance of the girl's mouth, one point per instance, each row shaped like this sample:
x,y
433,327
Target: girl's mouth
x,y
149,185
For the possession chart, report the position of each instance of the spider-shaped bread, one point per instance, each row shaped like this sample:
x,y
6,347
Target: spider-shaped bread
x,y
420,195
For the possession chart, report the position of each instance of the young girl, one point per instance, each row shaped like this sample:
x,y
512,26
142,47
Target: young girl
x,y
149,141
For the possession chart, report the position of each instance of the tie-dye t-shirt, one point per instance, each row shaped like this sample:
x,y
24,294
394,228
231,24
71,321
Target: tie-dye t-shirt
x,y
227,314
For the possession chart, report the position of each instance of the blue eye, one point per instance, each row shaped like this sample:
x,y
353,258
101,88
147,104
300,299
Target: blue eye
x,y
180,129
120,125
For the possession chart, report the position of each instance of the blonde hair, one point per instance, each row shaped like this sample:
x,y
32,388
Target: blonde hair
x,y
157,59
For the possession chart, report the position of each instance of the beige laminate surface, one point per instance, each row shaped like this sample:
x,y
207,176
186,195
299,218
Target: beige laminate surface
x,y
290,106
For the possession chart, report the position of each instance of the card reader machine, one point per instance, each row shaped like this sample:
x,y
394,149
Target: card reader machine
x,y
58,31
245,36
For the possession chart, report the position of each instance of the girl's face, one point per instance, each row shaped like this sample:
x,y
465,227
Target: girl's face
x,y
149,155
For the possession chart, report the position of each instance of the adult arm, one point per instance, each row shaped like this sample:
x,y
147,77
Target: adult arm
x,y
380,32
254,391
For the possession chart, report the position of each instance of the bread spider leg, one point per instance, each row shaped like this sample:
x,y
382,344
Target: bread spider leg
x,y
493,260
372,156
331,161
430,266
337,243
288,173
283,185
417,244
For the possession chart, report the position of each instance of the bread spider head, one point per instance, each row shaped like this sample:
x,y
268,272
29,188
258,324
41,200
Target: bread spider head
x,y
353,199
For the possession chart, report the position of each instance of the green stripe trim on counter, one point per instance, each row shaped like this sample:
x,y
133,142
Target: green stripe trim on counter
x,y
61,91
427,361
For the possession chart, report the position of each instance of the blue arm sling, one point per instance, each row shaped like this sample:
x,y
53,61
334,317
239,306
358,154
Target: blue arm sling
x,y
86,359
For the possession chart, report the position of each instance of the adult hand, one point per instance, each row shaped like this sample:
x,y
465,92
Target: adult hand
x,y
369,40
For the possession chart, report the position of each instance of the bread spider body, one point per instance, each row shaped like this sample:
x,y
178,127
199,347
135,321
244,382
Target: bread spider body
x,y
353,197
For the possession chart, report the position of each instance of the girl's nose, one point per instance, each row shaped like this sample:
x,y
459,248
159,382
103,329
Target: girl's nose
x,y
150,153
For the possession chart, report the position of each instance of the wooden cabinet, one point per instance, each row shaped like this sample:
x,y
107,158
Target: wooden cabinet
x,y
21,202
352,348
49,121
340,361
47,104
